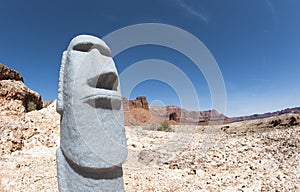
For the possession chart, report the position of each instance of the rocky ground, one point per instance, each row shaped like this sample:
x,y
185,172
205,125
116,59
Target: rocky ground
x,y
257,155
246,156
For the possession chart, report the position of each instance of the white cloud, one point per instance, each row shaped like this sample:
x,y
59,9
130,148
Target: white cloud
x,y
273,11
193,11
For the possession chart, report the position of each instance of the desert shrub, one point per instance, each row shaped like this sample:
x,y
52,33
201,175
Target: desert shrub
x,y
31,106
293,121
165,126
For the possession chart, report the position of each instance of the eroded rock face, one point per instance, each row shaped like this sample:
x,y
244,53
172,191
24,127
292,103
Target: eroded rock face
x,y
136,112
15,100
15,96
139,102
18,98
173,117
9,74
179,115
27,130
93,143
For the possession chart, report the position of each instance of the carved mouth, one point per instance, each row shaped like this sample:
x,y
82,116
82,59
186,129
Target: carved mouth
x,y
105,101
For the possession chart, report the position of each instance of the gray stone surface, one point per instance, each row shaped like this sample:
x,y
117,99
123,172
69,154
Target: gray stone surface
x,y
92,142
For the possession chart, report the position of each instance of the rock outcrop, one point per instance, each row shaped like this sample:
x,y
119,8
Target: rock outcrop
x,y
7,73
136,112
139,102
15,97
179,115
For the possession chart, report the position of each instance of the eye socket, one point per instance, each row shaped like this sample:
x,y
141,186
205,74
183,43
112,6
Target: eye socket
x,y
86,47
107,81
83,47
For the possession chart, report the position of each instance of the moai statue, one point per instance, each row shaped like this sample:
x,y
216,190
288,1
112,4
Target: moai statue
x,y
92,141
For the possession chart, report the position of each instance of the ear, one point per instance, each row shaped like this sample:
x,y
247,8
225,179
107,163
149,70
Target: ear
x,y
60,95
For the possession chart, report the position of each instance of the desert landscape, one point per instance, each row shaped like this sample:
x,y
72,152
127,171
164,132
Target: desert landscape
x,y
162,96
260,154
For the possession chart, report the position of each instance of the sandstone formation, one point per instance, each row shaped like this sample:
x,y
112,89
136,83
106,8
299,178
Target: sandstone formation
x,y
183,116
15,97
15,100
173,117
136,112
9,74
139,102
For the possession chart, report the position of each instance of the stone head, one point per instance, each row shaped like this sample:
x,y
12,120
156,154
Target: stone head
x,y
90,104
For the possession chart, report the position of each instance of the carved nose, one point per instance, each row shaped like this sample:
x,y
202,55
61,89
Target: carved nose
x,y
108,81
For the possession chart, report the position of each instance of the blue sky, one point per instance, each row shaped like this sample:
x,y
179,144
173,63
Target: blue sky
x,y
256,44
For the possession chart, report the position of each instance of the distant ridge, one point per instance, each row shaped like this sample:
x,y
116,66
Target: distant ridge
x,y
138,112
295,110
